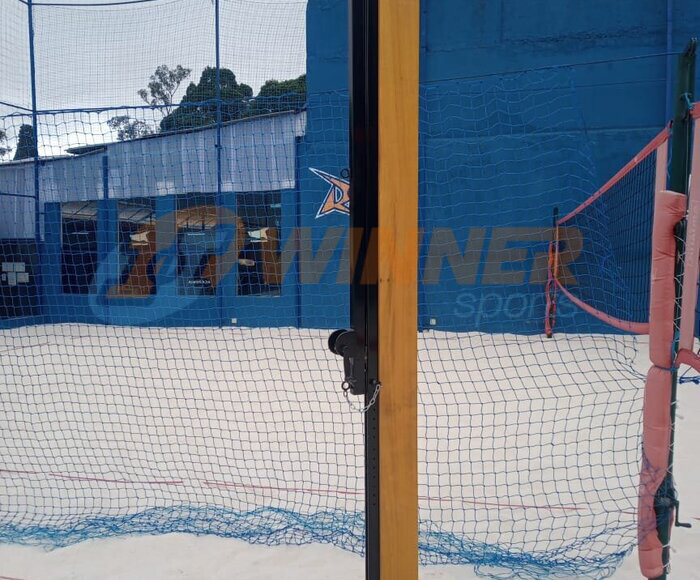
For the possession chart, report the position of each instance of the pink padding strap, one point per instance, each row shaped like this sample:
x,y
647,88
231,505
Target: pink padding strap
x,y
654,144
669,209
657,440
695,111
626,325
692,252
688,357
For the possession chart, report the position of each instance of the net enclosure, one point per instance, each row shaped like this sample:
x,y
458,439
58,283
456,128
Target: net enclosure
x,y
174,193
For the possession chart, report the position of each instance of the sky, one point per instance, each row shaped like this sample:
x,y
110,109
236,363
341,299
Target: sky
x,y
91,56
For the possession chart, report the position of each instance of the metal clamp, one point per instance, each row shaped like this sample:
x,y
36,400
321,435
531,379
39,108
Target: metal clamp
x,y
346,343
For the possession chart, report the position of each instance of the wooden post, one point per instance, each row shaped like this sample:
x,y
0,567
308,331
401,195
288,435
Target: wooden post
x,y
382,345
398,54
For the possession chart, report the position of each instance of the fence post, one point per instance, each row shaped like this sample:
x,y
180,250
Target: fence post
x,y
384,60
35,130
219,195
679,171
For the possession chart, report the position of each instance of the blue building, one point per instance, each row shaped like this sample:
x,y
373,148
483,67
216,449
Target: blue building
x,y
526,106
130,230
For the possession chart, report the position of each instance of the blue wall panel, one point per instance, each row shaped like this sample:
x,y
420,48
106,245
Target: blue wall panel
x,y
324,281
168,306
623,103
498,151
501,150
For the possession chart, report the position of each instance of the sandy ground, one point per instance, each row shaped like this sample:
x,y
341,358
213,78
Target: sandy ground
x,y
48,457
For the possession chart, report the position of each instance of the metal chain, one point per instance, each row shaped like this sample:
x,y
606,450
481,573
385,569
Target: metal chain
x,y
361,409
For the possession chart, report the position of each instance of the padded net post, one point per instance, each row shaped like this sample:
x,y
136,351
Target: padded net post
x,y
669,209
657,499
689,297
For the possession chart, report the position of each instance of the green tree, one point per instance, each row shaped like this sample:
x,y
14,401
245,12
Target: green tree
x,y
162,86
128,128
275,96
198,106
4,149
26,143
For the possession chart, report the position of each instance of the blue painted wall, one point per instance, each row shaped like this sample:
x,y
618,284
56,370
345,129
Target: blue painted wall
x,y
500,150
167,307
622,103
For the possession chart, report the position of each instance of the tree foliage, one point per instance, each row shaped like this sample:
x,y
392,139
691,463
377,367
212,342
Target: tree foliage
x,y
128,128
273,88
26,143
4,149
275,96
163,85
198,106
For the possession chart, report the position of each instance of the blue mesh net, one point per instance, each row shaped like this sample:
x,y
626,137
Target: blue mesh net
x,y
170,271
530,445
606,246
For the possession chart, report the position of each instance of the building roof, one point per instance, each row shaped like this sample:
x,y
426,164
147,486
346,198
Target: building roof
x,y
258,154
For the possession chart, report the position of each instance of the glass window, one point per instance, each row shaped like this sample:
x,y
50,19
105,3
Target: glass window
x,y
137,248
78,246
259,265
196,244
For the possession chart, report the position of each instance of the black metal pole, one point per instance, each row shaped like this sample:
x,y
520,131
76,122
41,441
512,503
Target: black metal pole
x,y
364,177
35,131
682,125
219,195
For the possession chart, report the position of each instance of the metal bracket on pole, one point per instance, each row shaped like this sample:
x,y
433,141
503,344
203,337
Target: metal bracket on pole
x,y
347,344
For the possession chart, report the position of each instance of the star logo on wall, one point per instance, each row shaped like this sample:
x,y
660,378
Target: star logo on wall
x,y
338,197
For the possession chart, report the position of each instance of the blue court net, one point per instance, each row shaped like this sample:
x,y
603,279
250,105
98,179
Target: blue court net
x,y
604,258
171,269
530,445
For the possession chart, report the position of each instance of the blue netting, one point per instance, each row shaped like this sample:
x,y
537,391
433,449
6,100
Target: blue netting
x,y
606,247
531,445
164,327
